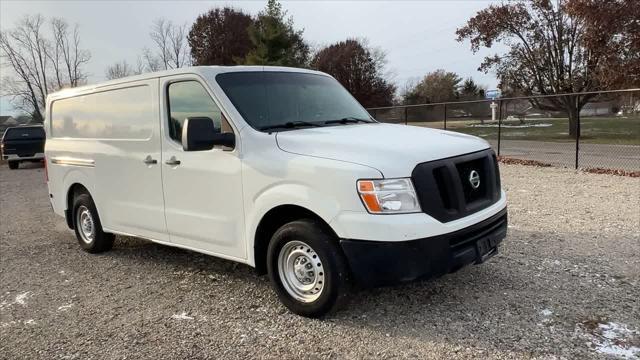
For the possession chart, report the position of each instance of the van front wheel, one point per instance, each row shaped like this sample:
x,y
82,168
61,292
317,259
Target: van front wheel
x,y
88,227
307,269
14,165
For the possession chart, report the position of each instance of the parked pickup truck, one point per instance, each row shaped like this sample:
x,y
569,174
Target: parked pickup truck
x,y
23,143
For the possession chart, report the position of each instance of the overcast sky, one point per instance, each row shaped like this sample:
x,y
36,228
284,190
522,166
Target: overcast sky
x,y
418,36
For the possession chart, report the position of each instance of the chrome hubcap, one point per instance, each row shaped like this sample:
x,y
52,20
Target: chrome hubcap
x,y
85,224
301,271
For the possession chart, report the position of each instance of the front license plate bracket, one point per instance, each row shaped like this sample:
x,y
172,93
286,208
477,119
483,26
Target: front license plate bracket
x,y
486,248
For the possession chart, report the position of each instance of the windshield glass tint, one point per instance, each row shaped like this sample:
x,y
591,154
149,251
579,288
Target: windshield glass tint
x,y
274,98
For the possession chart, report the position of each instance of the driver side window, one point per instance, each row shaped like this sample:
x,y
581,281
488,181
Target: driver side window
x,y
190,99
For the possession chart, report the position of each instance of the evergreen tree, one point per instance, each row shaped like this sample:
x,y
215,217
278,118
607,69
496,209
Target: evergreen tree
x,y
275,41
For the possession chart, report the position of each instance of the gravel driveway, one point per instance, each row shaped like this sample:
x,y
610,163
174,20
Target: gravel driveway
x,y
565,285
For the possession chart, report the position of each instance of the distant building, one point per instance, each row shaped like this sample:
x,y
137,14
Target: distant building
x,y
598,108
23,119
8,120
5,122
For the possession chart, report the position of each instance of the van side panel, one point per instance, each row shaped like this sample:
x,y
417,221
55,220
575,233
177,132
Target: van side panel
x,y
106,136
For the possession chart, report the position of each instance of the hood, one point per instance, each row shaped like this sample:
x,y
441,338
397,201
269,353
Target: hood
x,y
392,149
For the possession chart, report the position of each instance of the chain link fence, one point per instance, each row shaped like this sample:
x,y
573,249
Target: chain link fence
x,y
604,134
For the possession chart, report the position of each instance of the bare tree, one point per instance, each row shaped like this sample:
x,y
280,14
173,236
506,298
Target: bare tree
x,y
40,64
146,62
170,51
160,35
179,47
172,48
150,62
123,69
140,65
68,53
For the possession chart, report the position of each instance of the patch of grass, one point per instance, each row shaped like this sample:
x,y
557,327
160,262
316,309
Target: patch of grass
x,y
595,130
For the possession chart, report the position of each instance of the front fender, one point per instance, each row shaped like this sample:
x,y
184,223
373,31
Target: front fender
x,y
323,205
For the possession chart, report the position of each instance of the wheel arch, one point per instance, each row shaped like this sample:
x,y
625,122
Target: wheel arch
x,y
74,190
271,221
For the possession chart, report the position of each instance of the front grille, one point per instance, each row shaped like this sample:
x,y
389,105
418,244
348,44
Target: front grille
x,y
445,190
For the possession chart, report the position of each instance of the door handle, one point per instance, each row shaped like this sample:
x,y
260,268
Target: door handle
x,y
172,161
149,160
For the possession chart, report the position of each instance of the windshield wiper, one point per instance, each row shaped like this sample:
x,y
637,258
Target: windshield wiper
x,y
347,120
290,125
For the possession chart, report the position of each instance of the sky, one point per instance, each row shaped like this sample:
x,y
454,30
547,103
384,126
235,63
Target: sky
x,y
417,36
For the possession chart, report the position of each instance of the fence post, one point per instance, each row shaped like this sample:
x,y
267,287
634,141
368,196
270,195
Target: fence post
x,y
499,124
406,115
445,116
578,130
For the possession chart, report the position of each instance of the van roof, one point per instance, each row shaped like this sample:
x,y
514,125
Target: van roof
x,y
207,72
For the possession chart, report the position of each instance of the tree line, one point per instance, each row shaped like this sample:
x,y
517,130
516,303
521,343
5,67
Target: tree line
x,y
555,47
229,36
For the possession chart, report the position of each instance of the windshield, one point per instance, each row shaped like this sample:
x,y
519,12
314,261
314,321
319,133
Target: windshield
x,y
24,133
270,100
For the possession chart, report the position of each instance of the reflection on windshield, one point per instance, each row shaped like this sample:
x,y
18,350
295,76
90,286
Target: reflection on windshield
x,y
287,100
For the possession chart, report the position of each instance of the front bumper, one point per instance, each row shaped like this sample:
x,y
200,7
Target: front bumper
x,y
378,263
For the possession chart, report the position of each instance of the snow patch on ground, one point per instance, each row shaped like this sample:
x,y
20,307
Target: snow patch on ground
x,y
182,316
546,312
507,126
65,307
547,317
20,299
13,322
613,339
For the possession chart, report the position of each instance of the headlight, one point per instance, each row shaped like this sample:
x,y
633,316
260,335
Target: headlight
x,y
388,196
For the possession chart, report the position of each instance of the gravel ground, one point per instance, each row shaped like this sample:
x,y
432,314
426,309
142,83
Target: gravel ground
x,y
565,285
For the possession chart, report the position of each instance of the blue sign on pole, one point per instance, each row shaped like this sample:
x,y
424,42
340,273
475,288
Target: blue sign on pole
x,y
492,94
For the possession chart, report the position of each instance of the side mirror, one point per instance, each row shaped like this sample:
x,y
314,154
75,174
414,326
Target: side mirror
x,y
199,134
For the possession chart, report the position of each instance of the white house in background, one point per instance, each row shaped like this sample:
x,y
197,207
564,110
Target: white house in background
x,y
598,108
5,122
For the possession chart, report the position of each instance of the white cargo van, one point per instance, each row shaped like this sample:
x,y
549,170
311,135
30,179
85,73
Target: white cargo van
x,y
277,168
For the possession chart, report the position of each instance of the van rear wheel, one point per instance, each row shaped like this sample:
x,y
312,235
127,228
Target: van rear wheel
x,y
88,227
307,269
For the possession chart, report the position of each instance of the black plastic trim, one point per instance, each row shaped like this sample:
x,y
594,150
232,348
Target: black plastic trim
x,y
378,263
68,218
442,192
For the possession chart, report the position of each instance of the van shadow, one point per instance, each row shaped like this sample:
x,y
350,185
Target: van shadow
x,y
147,253
29,165
497,306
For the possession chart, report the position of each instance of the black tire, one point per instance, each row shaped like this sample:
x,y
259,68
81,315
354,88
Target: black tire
x,y
335,271
99,241
14,165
